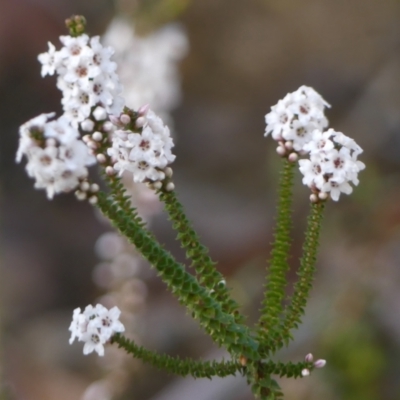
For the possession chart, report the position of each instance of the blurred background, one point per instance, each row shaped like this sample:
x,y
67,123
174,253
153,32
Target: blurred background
x,y
233,61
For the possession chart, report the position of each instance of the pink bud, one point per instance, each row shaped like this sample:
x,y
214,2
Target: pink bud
x,y
110,170
140,122
281,150
114,120
323,195
143,110
125,119
293,157
320,363
101,158
289,145
309,358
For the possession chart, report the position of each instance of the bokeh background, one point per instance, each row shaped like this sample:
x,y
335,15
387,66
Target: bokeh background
x,y
244,56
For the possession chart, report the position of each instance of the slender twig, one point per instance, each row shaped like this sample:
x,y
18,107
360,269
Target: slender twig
x,y
278,265
218,324
206,271
176,365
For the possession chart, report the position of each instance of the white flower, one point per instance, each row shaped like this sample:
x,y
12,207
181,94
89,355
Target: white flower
x,y
335,188
50,60
110,322
26,141
102,57
99,92
312,171
299,133
95,326
61,130
278,120
320,142
78,325
75,49
93,341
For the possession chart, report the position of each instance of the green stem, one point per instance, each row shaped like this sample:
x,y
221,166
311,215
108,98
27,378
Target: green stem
x,y
206,272
219,325
263,385
272,307
306,273
177,366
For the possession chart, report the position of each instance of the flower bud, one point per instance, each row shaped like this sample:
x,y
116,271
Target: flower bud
x,y
85,186
309,358
169,187
114,120
281,150
320,363
323,195
110,170
168,172
101,158
143,110
99,113
97,136
125,119
87,125
93,200
80,195
293,157
108,126
305,372
140,122
289,145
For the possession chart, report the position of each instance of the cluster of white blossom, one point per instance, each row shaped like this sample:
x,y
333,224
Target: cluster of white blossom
x,y
332,164
86,76
145,153
95,326
57,158
293,120
297,122
148,66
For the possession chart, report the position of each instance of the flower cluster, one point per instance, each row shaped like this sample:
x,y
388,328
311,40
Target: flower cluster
x,y
297,122
332,164
146,152
293,120
94,327
86,76
57,158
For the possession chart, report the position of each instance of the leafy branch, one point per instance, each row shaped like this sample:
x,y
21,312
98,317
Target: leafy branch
x,y
268,325
205,269
176,365
218,324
